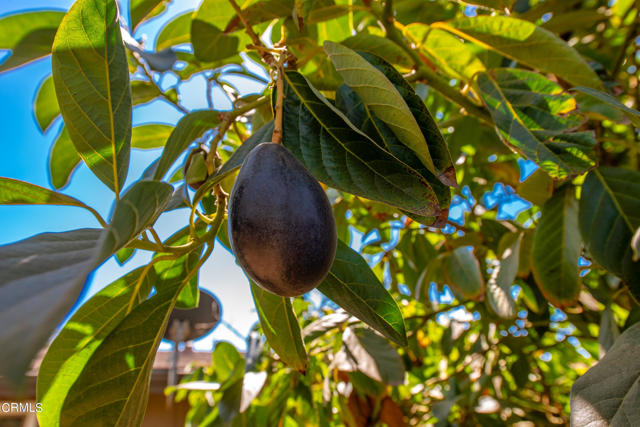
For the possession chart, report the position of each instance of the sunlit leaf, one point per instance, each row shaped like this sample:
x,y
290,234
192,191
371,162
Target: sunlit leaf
x,y
463,274
46,106
177,31
152,135
63,160
144,9
96,107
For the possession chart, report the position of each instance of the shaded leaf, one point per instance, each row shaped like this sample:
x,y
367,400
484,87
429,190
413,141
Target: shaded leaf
x,y
210,43
379,94
353,286
327,322
369,353
503,277
463,274
341,156
524,42
380,46
535,133
537,188
608,393
29,36
96,107
80,338
608,332
281,327
63,160
46,106
556,249
41,278
609,215
190,127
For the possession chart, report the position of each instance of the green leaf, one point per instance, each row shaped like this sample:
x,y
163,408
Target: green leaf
x,y
138,209
608,332
29,36
462,270
281,327
81,336
341,156
453,56
15,192
46,104
635,245
499,5
608,393
150,136
124,255
348,101
503,277
228,364
556,249
632,115
379,94
42,277
188,129
353,286
177,31
63,160
609,215
371,354
534,132
379,46
120,367
91,77
524,42
436,143
537,188
141,9
210,42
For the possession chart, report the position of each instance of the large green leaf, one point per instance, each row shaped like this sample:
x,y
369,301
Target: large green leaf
x,y
435,142
210,42
527,113
29,36
632,114
452,55
138,209
463,274
120,367
348,101
353,286
41,278
380,46
46,106
141,9
556,249
379,94
341,156
281,327
609,216
177,31
63,160
91,77
608,394
15,192
190,127
151,135
81,336
524,42
371,354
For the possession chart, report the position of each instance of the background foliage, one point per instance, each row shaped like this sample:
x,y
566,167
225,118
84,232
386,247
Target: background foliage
x,y
482,293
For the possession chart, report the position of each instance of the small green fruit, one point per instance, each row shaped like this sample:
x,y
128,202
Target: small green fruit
x,y
195,168
281,225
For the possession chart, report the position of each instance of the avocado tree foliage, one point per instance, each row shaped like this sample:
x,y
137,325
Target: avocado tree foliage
x,y
414,115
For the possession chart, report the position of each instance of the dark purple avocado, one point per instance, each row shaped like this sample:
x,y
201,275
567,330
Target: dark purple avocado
x,y
281,225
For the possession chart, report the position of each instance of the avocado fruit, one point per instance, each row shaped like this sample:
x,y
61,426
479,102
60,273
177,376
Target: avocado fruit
x,y
281,225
